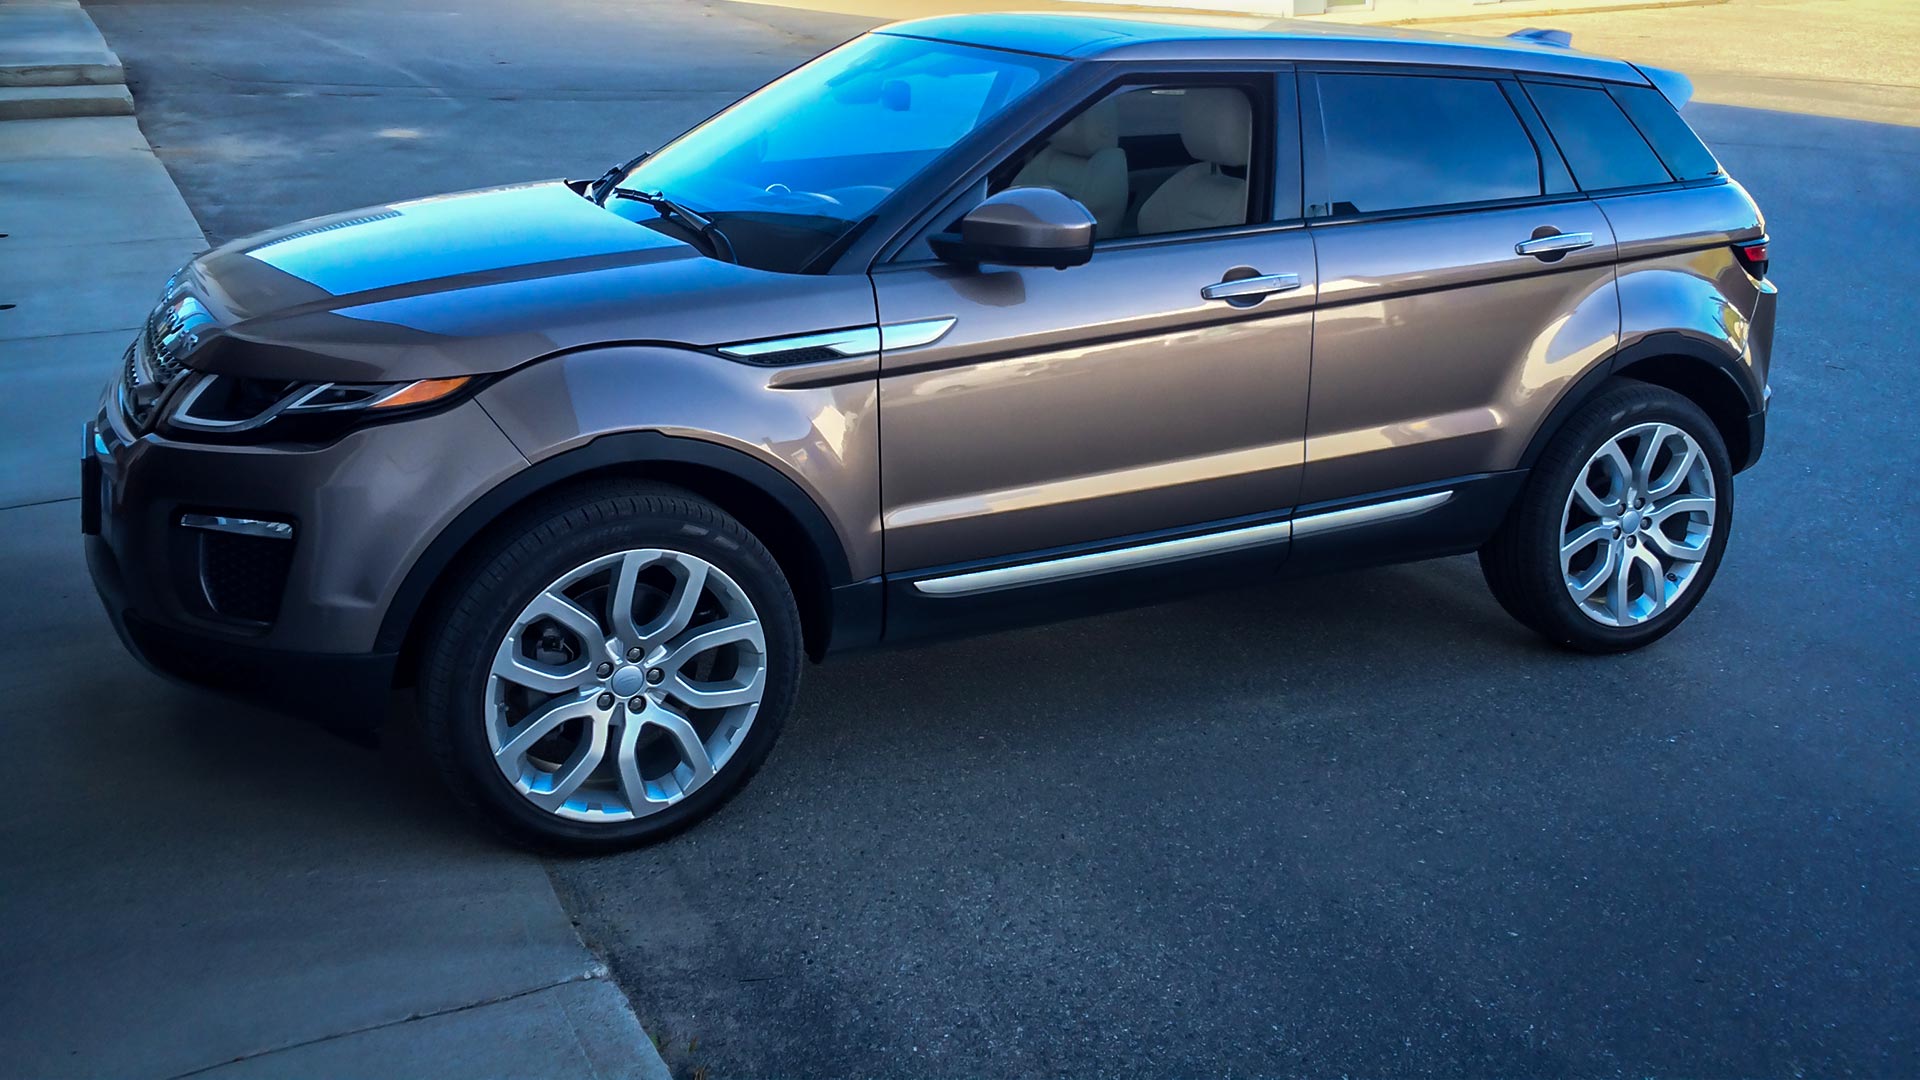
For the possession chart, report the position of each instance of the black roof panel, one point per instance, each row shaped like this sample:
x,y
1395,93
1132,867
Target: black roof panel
x,y
1198,37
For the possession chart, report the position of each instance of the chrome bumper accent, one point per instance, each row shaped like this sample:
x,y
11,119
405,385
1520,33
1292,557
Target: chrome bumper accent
x,y
272,530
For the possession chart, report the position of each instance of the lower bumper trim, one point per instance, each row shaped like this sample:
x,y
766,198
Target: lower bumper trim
x,y
346,692
1756,439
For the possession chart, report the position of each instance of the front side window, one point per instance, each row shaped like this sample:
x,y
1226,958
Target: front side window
x,y
1402,142
1601,145
1150,160
1144,160
790,171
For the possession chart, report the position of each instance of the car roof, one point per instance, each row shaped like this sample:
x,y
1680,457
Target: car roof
x,y
1197,37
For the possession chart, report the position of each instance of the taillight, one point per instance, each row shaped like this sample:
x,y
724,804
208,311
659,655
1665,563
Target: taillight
x,y
1753,256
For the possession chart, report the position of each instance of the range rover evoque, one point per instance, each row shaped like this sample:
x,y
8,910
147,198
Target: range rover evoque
x,y
970,321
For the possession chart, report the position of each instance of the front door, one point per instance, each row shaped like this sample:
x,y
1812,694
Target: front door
x,y
1027,411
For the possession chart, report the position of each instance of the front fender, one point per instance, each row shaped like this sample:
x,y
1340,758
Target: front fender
x,y
823,439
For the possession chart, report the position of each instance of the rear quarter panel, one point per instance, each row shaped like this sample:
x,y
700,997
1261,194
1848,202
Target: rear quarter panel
x,y
1678,273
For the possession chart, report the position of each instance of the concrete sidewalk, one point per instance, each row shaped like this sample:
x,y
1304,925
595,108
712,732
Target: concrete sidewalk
x,y
53,62
192,886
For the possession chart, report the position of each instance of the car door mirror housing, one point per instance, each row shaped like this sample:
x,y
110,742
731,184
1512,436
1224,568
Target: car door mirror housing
x,y
1025,226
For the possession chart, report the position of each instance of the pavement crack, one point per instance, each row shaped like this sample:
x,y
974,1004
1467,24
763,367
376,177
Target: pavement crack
x,y
40,502
74,333
590,974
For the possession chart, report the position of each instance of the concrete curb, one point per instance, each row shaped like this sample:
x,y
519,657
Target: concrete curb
x,y
61,75
54,102
54,43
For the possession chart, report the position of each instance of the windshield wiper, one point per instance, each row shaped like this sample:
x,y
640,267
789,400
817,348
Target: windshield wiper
x,y
701,225
612,176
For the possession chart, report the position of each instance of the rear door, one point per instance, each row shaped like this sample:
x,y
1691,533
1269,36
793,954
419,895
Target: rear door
x,y
1464,282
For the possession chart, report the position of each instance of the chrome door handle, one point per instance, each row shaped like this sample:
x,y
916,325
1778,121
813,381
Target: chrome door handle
x,y
1247,287
1557,244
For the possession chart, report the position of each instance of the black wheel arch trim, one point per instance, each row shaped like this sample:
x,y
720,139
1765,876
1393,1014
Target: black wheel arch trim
x,y
1653,347
612,450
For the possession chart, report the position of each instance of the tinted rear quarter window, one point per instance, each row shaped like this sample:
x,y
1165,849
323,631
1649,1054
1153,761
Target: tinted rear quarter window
x,y
1601,145
1400,142
1686,157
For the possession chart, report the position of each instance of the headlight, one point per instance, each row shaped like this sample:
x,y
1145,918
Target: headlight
x,y
235,405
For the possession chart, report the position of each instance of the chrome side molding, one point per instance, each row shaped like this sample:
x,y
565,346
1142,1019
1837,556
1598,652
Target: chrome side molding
x,y
1105,562
1154,553
1370,514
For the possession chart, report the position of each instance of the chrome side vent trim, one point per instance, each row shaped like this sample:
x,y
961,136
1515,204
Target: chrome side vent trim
x,y
830,345
912,335
839,344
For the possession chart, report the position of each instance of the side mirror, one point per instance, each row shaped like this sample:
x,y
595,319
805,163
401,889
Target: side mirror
x,y
1021,227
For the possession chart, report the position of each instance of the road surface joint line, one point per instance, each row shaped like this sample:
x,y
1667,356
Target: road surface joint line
x,y
595,972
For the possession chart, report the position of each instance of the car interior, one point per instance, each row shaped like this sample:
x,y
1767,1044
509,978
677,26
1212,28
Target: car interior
x,y
1149,160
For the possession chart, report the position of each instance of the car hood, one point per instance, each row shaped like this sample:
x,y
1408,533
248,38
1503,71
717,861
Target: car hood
x,y
480,282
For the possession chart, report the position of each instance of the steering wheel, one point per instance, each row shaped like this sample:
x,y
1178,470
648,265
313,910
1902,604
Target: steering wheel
x,y
782,191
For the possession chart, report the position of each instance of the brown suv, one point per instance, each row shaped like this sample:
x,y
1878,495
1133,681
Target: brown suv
x,y
972,320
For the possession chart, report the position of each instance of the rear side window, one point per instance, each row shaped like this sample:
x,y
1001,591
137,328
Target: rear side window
x,y
1601,145
1686,157
1401,142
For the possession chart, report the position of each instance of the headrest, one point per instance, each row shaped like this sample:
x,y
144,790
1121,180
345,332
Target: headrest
x,y
1089,133
1216,125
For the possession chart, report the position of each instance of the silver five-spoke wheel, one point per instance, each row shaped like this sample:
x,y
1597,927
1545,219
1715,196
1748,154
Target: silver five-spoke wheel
x,y
1637,524
625,685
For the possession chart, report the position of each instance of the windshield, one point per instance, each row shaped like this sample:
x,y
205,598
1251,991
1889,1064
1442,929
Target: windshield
x,y
788,173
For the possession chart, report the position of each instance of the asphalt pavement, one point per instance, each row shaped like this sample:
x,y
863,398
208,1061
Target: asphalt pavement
x,y
1362,824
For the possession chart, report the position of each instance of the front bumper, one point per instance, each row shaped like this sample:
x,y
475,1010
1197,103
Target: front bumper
x,y
346,692
298,631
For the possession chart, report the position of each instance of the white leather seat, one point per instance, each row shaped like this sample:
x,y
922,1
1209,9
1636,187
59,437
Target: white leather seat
x,y
1216,126
1084,161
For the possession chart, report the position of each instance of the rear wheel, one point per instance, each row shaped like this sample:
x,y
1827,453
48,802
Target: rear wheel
x,y
1621,526
612,669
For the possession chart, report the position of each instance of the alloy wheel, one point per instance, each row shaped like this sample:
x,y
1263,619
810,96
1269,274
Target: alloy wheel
x,y
1637,525
625,685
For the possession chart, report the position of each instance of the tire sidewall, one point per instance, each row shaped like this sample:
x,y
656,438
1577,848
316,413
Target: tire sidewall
x,y
1609,418
460,663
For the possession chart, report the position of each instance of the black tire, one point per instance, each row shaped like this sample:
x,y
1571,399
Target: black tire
x,y
1522,561
522,557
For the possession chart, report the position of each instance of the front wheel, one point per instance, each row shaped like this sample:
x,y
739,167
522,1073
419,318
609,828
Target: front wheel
x,y
612,669
1621,526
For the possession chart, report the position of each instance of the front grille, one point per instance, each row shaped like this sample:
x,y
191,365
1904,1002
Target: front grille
x,y
155,360
139,394
162,366
243,577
